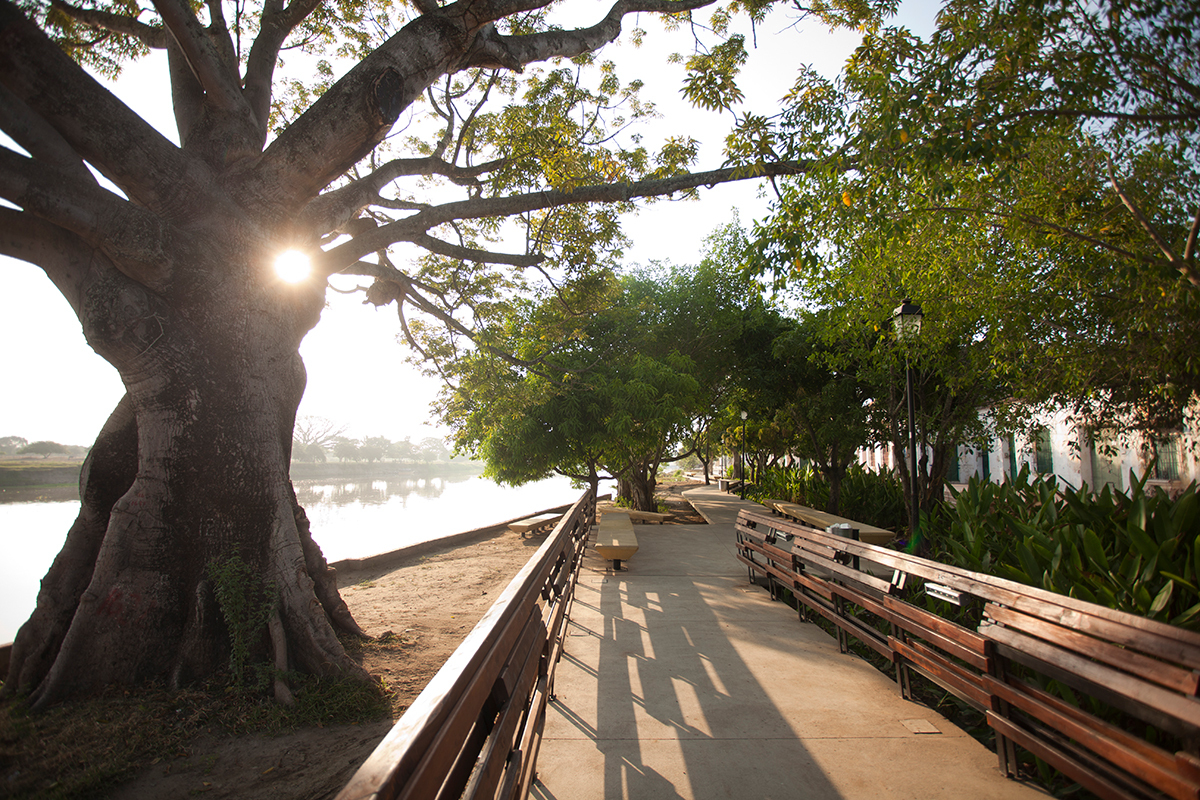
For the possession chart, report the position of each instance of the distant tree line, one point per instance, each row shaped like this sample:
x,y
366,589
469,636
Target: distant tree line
x,y
317,439
20,446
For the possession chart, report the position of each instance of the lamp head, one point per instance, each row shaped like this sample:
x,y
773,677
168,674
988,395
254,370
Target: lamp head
x,y
908,320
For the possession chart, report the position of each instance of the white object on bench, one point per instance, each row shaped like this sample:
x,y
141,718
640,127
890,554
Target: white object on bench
x,y
524,526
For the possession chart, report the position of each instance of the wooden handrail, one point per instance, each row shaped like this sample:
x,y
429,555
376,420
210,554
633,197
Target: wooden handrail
x,y
1144,672
476,728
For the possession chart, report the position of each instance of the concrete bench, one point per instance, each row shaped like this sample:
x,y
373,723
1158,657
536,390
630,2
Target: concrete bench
x,y
640,516
524,526
615,540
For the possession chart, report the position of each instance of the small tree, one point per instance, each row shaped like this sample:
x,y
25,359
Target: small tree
x,y
346,449
402,450
44,449
11,444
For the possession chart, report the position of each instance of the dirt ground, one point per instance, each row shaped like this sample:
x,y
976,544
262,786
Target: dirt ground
x,y
428,603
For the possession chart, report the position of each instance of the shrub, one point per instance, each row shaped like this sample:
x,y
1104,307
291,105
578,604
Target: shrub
x,y
1138,552
875,498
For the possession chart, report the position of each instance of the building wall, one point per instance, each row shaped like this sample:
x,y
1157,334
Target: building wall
x,y
1074,457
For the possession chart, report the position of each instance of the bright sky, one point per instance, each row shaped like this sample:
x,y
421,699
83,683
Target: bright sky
x,y
58,389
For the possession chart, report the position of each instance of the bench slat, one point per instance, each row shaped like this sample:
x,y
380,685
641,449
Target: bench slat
x,y
1166,675
1136,756
1150,702
1098,784
943,671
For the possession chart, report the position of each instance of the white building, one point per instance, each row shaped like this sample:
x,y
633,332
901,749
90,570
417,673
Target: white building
x,y
1066,449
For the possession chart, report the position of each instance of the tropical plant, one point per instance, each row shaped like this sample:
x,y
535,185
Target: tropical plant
x,y
1138,552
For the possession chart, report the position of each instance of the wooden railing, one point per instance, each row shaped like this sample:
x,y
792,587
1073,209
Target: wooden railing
x,y
475,730
1107,698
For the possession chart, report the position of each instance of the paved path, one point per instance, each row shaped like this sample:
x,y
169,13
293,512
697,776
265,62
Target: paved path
x,y
682,680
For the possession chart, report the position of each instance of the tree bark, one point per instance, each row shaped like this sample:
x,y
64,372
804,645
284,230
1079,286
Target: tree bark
x,y
190,471
640,488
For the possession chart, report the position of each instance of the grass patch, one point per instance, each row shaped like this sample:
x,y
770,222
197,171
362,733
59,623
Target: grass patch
x,y
85,748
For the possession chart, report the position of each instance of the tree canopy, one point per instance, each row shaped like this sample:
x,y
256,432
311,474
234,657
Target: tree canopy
x,y
1050,151
626,385
393,147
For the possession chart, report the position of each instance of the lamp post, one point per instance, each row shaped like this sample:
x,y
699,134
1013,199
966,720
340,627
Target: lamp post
x,y
743,464
907,317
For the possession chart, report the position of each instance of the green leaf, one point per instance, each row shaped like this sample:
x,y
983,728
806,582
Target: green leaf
x,y
1095,550
1162,599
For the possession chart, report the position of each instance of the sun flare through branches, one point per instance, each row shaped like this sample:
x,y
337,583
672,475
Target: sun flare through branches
x,y
292,266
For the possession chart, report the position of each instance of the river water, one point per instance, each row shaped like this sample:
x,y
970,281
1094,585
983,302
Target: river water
x,y
350,519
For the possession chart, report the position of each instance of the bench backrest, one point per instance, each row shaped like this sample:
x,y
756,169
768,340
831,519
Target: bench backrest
x,y
1081,686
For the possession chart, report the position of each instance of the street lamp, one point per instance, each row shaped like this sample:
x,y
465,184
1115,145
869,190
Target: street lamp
x,y
907,317
744,415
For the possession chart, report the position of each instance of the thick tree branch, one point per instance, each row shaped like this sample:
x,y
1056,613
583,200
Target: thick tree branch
x,y
1189,251
355,114
152,37
147,167
461,253
64,257
332,210
405,230
513,52
39,139
187,95
141,245
201,54
276,24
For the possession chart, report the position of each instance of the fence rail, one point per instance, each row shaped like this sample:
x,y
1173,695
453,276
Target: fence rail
x,y
1107,698
475,730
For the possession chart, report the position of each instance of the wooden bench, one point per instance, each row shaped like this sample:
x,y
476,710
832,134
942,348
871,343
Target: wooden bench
x,y
1122,672
819,519
524,526
615,540
1138,667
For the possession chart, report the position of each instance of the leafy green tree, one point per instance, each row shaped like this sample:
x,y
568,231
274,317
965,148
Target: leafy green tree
x,y
373,448
11,444
432,448
401,451
1068,136
171,275
614,391
953,268
43,448
806,385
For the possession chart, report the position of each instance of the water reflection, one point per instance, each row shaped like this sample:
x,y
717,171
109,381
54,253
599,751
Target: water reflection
x,y
350,519
375,492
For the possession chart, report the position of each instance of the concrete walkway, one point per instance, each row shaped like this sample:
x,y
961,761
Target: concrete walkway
x,y
683,680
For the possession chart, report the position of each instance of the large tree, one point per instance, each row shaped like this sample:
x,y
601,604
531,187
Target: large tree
x,y
171,274
1068,134
616,391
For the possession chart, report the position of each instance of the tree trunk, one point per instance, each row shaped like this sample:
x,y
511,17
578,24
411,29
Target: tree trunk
x,y
641,489
190,471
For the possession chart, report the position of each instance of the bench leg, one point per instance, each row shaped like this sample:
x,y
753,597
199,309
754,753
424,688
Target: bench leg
x,y
616,565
